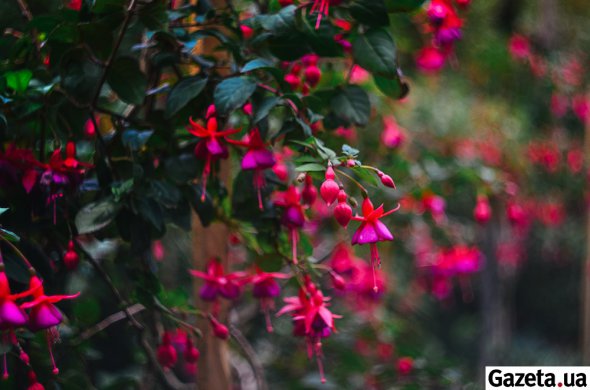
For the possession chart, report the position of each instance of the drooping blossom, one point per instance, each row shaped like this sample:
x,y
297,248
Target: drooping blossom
x,y
311,319
359,75
293,217
211,146
218,283
371,231
219,330
329,188
393,135
559,105
342,211
445,24
44,315
71,257
75,5
405,365
581,107
257,158
519,47
482,211
18,165
166,353
266,288
575,160
322,8
430,60
310,192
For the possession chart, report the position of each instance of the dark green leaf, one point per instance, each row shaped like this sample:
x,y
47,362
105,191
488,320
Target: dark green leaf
x,y
352,104
79,75
281,22
127,80
96,215
135,139
8,235
104,6
394,88
375,52
403,5
263,108
153,15
371,12
258,63
232,93
311,167
18,80
203,207
182,93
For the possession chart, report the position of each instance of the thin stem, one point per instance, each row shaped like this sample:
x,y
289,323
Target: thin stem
x,y
18,252
359,185
250,355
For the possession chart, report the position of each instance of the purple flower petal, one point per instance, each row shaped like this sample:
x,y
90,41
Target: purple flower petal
x,y
367,234
383,232
11,316
44,316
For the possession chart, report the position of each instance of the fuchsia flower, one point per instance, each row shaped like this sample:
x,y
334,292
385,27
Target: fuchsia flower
x,y
329,188
266,288
11,315
482,211
211,146
71,258
293,217
44,314
257,159
342,211
311,319
405,365
444,22
219,330
322,7
393,135
15,162
371,231
519,47
218,283
166,352
430,60
75,5
436,205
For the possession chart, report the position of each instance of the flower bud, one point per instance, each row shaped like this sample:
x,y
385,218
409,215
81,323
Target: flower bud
x,y
71,258
166,353
293,81
191,354
219,330
482,211
310,192
313,75
342,211
247,31
338,281
386,180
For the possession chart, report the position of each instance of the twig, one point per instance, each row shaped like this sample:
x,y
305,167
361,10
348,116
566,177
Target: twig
x,y
108,321
250,355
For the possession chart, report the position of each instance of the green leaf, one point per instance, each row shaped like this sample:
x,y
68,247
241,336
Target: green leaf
x,y
281,22
122,188
127,80
371,12
96,215
311,167
3,210
352,104
263,109
18,80
403,5
258,63
375,52
79,75
8,235
135,139
182,93
395,88
105,6
203,208
232,93
153,15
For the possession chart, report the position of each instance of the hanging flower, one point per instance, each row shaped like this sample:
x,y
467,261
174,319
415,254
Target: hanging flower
x,y
266,288
293,217
371,231
211,146
218,283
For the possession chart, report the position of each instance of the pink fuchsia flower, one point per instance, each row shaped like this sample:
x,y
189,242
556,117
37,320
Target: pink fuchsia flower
x,y
219,330
342,211
11,315
266,288
166,353
405,365
482,211
359,75
293,217
218,283
551,213
581,107
18,164
519,47
44,315
371,231
71,258
393,135
575,160
75,5
516,214
430,60
211,146
280,168
312,319
310,192
559,105
436,205
322,7
329,188
348,133
257,158
33,383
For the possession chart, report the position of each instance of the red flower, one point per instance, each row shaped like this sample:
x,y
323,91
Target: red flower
x,y
266,289
217,282
211,146
293,217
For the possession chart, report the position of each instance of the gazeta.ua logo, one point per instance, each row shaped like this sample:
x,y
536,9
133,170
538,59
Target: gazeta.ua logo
x,y
530,377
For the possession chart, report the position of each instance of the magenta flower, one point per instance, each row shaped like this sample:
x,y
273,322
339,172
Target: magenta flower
x,y
211,146
44,314
11,315
311,319
266,288
257,158
430,60
18,164
371,231
218,283
293,217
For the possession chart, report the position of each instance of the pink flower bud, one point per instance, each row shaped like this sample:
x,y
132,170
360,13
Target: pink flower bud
x,y
342,211
247,31
310,192
329,191
71,258
166,353
313,75
405,365
285,3
191,354
293,81
482,211
386,180
219,330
